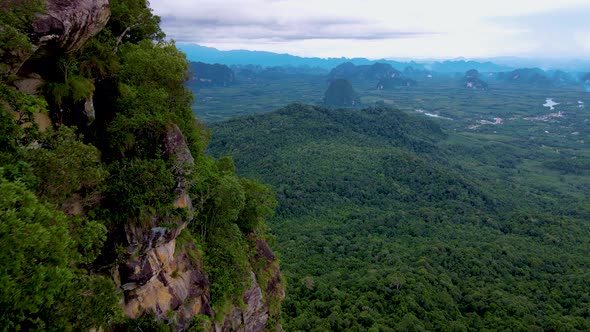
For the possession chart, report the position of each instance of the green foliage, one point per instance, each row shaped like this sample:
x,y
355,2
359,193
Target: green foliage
x,y
152,95
386,223
97,59
199,323
133,21
143,323
137,186
229,208
16,19
570,166
226,165
91,237
259,206
153,65
65,165
10,131
18,128
40,288
228,200
74,87
227,267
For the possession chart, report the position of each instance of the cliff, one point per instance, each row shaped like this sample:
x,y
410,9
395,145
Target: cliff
x,y
209,75
160,270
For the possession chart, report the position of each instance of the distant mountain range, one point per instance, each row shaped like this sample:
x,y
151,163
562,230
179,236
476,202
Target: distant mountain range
x,y
200,53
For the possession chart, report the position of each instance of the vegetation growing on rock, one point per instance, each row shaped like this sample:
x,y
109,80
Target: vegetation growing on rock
x,y
117,180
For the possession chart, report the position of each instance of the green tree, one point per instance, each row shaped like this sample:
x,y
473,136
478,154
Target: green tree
x,y
40,286
16,19
133,21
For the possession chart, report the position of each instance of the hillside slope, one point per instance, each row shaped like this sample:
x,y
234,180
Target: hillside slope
x,y
379,231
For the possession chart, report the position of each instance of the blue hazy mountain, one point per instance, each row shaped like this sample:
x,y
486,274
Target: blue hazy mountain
x,y
461,66
200,53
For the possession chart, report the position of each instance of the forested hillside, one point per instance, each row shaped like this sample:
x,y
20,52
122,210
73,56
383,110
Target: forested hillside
x,y
111,216
386,222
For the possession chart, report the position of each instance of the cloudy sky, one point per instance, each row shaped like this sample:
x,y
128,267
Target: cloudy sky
x,y
384,28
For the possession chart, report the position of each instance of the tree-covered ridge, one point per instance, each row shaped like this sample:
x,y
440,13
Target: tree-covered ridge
x,y
407,228
96,144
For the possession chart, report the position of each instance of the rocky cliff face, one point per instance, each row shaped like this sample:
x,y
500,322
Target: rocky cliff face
x,y
261,299
163,277
158,275
158,272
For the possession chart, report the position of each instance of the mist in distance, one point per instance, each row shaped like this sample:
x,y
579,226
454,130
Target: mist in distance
x,y
548,33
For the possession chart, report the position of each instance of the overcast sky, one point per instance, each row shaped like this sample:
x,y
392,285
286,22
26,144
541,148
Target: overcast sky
x,y
384,28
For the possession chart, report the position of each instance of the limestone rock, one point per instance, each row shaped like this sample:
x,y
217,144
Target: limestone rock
x,y
68,24
157,277
180,288
156,231
28,85
252,318
89,111
174,147
259,297
64,27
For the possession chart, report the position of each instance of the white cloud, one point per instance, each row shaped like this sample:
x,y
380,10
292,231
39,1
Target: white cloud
x,y
369,28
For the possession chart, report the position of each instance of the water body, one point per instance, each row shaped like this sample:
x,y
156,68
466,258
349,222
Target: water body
x,y
550,103
432,115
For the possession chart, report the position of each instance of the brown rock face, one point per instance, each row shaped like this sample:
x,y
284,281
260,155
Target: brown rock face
x,y
252,318
166,280
159,277
262,299
175,149
180,288
65,27
68,24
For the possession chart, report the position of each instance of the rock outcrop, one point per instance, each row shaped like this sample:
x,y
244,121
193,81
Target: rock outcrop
x,y
68,24
394,82
262,298
532,76
208,75
64,27
159,276
252,317
163,277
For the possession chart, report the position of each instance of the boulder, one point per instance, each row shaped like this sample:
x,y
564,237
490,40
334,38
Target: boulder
x,y
68,24
64,27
